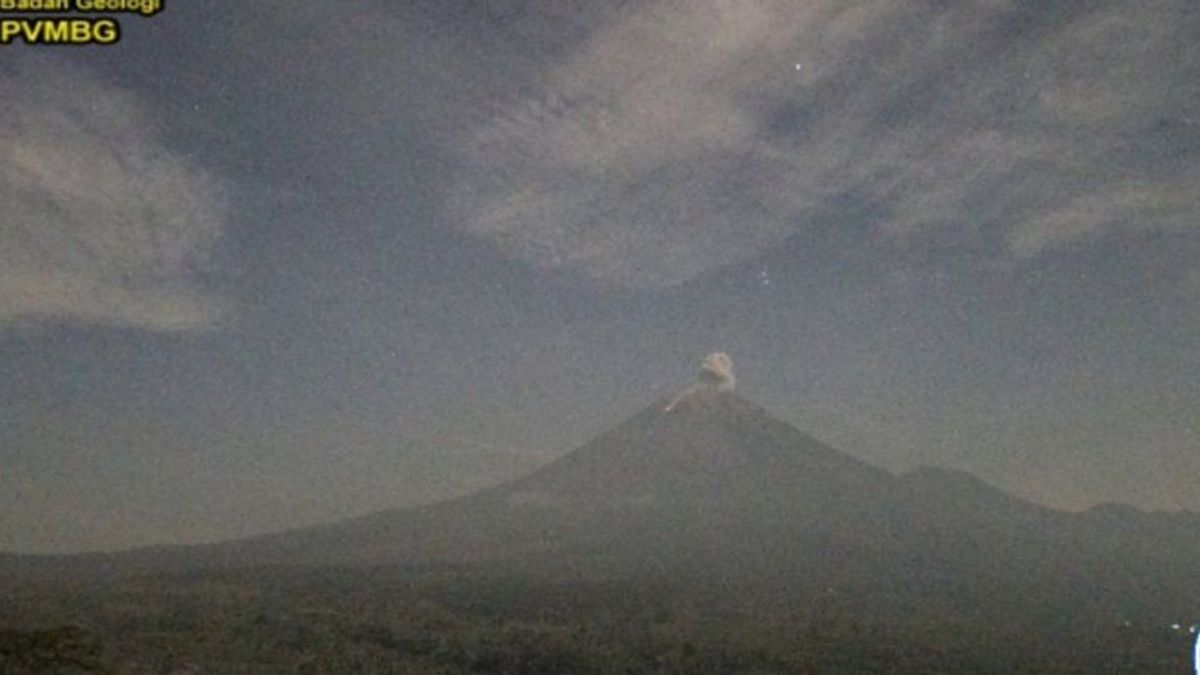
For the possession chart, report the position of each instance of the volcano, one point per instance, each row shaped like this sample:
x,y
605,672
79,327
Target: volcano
x,y
704,481
710,490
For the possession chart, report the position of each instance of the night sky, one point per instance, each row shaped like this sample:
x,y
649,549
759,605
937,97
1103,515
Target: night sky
x,y
267,264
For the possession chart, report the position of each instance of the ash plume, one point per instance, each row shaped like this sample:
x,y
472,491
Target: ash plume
x,y
716,374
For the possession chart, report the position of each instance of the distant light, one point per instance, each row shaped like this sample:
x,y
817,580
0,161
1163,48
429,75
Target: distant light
x,y
799,67
1175,626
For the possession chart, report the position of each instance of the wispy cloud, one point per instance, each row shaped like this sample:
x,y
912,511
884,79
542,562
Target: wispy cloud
x,y
101,223
681,136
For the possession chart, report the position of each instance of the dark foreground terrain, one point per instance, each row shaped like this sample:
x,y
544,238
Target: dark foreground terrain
x,y
391,620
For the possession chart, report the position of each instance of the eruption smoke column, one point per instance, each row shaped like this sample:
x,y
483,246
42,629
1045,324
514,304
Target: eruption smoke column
x,y
716,374
717,370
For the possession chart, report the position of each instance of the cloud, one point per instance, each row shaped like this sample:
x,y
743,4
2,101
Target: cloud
x,y
679,137
1166,204
101,222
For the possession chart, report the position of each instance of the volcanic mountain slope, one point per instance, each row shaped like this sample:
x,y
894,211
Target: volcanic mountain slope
x,y
713,474
710,488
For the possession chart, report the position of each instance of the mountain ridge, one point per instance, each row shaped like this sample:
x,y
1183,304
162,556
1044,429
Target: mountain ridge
x,y
711,490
